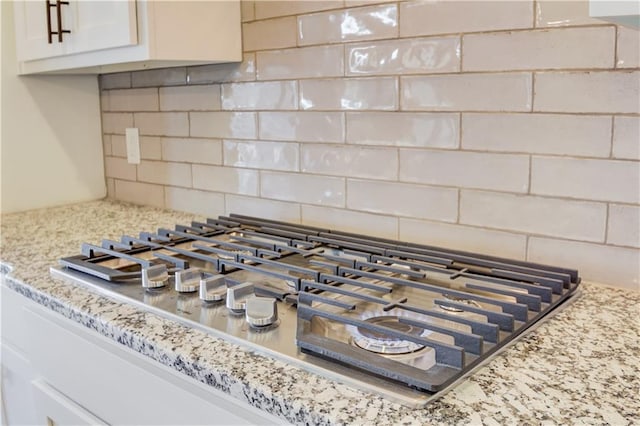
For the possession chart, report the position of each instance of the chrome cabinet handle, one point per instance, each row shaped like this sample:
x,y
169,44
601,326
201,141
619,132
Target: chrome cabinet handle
x,y
58,5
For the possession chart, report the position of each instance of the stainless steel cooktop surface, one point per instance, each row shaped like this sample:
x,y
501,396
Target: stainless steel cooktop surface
x,y
404,320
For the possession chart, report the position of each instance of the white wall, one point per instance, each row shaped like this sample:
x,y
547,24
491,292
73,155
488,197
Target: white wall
x,y
51,146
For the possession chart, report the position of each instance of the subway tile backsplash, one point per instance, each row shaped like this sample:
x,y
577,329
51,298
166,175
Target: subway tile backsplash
x,y
505,127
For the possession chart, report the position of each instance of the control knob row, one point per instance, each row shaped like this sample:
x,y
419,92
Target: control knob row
x,y
240,299
258,311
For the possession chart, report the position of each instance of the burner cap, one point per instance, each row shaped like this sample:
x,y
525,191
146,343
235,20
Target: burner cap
x,y
381,343
459,300
231,253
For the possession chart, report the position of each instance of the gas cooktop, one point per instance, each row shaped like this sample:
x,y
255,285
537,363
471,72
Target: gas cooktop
x,y
403,320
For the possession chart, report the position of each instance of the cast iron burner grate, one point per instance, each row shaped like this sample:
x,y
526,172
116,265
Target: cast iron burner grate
x,y
392,315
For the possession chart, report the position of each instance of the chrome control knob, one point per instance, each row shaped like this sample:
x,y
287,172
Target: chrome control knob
x,y
187,281
238,295
213,288
261,311
155,276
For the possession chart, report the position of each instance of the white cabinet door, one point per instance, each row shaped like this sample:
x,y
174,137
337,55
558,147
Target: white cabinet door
x,y
93,25
18,406
55,409
120,386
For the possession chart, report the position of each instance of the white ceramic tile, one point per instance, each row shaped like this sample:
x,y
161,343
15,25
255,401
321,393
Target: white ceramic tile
x,y
111,188
301,188
605,92
364,23
400,199
306,62
204,151
502,172
131,100
107,145
104,100
120,80
626,137
579,135
159,77
604,180
262,155
220,73
610,265
434,130
207,204
460,237
467,92
116,167
247,10
628,48
119,146
578,220
162,123
559,13
116,122
350,221
177,174
269,34
225,179
540,49
139,193
190,98
443,17
405,56
350,161
624,225
150,147
240,125
349,94
272,8
268,209
355,3
302,126
260,96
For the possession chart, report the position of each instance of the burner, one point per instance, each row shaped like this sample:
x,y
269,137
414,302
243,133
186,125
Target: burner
x,y
459,300
231,254
381,343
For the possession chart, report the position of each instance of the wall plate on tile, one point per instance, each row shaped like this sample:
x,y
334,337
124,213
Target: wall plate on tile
x,y
133,145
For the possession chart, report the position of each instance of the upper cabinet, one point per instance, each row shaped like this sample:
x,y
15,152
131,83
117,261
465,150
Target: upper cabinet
x,y
622,12
87,36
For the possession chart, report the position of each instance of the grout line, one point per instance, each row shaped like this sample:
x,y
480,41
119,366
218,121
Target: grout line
x,y
461,59
399,84
398,164
459,206
606,224
615,47
530,173
613,126
526,246
460,148
346,195
344,128
533,90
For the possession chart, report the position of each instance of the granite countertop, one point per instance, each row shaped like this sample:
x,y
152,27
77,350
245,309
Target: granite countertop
x,y
581,366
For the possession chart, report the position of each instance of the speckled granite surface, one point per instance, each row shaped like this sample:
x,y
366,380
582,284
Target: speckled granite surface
x,y
580,367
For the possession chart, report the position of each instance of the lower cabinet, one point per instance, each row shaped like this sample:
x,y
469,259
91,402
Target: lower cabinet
x,y
63,374
53,408
18,407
